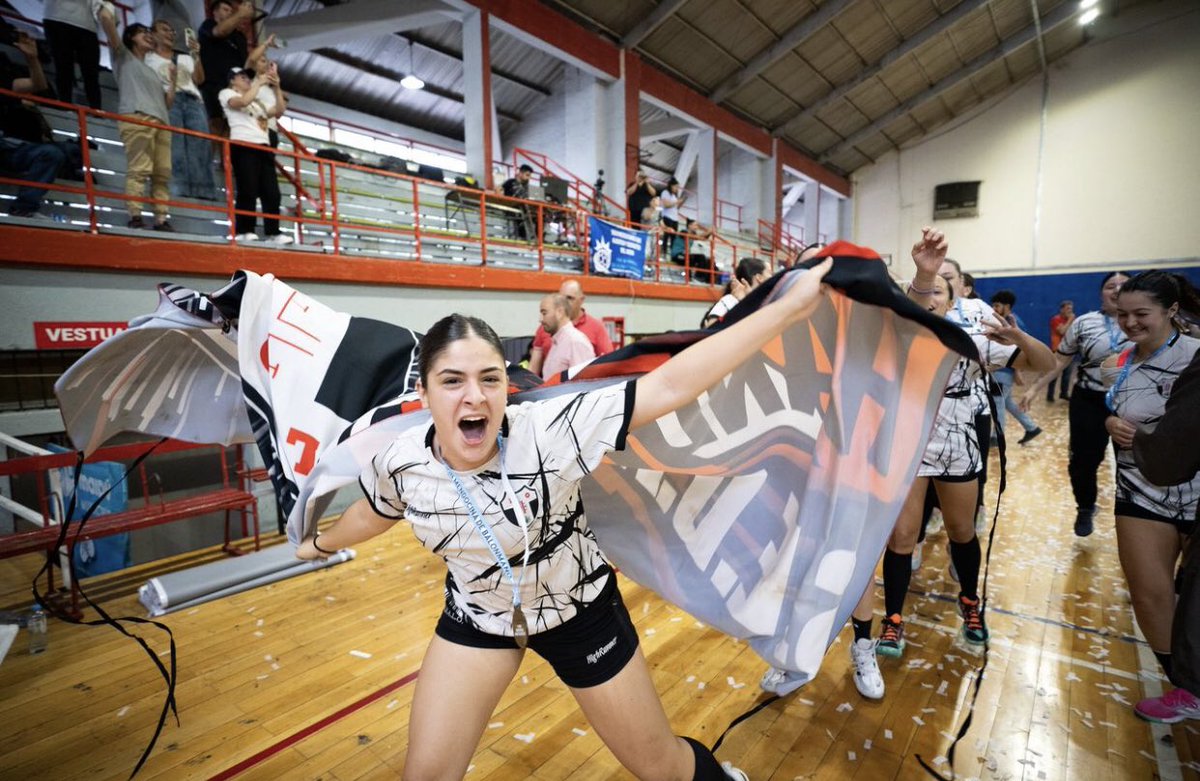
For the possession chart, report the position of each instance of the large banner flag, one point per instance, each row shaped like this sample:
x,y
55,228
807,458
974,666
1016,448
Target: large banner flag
x,y
761,508
617,251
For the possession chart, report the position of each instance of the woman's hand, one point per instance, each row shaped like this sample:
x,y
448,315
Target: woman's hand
x,y
1002,331
930,252
803,297
1120,430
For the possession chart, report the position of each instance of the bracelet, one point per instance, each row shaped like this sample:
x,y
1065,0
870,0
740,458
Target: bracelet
x,y
914,289
320,549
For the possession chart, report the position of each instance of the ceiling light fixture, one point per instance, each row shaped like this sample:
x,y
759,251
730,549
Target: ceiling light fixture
x,y
1086,4
411,81
1089,16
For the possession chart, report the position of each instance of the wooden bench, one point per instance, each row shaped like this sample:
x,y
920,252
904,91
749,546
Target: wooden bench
x,y
229,498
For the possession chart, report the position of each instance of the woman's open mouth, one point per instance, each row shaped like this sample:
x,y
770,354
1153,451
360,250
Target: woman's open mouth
x,y
473,429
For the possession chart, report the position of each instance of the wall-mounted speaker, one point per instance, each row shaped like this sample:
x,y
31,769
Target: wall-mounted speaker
x,y
956,199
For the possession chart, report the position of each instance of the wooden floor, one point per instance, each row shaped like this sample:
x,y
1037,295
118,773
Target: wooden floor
x,y
314,677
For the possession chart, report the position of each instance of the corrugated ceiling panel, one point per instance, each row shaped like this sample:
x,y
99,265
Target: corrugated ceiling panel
x,y
911,16
798,78
865,28
973,36
828,52
760,100
780,15
730,27
680,47
937,59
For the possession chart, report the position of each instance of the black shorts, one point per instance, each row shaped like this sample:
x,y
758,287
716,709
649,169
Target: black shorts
x,y
589,649
1131,510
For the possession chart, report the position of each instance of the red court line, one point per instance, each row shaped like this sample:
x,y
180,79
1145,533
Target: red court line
x,y
315,727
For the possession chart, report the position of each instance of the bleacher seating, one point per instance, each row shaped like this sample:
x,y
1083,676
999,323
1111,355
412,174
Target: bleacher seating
x,y
379,215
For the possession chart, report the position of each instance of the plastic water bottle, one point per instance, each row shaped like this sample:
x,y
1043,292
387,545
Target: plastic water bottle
x,y
37,630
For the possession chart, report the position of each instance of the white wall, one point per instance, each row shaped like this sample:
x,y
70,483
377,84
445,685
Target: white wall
x,y
1120,170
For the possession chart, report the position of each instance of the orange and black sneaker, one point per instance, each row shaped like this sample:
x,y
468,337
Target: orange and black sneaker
x,y
974,629
891,640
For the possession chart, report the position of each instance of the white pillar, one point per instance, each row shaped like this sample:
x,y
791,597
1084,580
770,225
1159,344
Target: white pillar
x,y
478,114
812,212
706,176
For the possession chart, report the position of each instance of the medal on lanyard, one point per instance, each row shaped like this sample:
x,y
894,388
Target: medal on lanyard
x,y
520,626
1110,398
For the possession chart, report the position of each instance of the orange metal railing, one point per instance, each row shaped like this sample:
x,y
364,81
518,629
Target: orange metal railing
x,y
507,227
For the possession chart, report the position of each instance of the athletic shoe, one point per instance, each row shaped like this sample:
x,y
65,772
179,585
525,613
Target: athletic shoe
x,y
247,237
1083,522
164,227
867,678
733,772
974,629
936,521
1029,435
891,639
916,557
136,223
1176,705
781,682
281,239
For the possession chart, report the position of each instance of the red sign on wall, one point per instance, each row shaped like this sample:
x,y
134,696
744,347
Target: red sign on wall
x,y
73,336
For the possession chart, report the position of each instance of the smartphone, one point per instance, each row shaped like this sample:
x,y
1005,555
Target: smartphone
x,y
189,37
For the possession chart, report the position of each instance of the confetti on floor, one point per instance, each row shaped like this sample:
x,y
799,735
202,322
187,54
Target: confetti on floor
x,y
360,654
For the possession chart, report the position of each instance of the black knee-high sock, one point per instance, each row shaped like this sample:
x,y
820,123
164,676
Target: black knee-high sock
x,y
966,557
707,766
1164,660
897,573
931,501
862,629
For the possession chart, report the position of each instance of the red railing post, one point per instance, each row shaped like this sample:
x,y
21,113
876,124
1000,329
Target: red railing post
x,y
337,220
541,234
227,158
483,231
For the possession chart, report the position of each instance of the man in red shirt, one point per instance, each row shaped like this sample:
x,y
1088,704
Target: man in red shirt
x,y
589,326
1058,327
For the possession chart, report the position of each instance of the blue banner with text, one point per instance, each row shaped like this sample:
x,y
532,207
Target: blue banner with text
x,y
618,251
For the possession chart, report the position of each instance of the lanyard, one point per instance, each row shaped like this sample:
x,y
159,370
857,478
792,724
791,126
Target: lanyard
x,y
1110,398
519,624
1115,337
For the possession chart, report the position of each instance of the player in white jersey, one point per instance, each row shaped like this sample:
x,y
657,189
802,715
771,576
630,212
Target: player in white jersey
x,y
494,489
954,456
1152,521
1093,337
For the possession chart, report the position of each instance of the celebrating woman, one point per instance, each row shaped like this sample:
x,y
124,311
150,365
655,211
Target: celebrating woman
x,y
953,458
1094,337
494,489
1152,520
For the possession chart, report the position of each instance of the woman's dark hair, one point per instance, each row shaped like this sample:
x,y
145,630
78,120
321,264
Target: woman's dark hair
x,y
1110,275
969,281
130,31
1166,289
448,330
749,268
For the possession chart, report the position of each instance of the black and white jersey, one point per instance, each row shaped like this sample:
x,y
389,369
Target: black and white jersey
x,y
1140,398
1093,337
550,446
953,449
971,314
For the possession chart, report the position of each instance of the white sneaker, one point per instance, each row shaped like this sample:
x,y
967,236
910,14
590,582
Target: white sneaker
x,y
282,239
936,521
247,237
733,772
781,682
916,557
867,678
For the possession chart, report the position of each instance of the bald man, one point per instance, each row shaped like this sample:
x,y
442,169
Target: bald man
x,y
568,347
587,325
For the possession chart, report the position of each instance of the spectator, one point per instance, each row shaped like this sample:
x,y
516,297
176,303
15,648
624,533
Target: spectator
x,y
968,286
651,216
222,47
518,187
1058,327
140,95
28,149
179,17
672,198
253,169
568,347
1002,304
589,326
698,257
273,100
71,34
749,274
638,195
191,156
